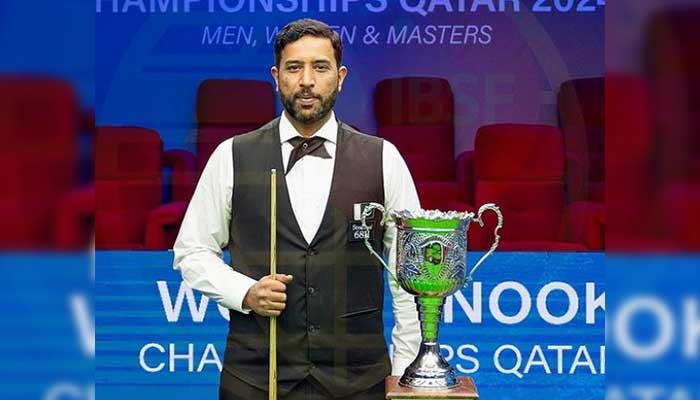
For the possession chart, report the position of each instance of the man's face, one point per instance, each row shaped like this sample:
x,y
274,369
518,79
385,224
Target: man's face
x,y
308,79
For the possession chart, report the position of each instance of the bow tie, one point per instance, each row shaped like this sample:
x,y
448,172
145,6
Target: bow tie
x,y
306,146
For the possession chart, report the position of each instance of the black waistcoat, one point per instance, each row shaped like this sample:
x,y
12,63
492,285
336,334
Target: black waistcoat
x,y
332,325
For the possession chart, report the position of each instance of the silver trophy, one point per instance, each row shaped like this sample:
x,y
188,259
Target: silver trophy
x,y
431,265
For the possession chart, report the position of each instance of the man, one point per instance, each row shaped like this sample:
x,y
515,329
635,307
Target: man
x,y
328,293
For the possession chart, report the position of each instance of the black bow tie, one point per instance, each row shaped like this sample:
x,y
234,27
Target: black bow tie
x,y
306,146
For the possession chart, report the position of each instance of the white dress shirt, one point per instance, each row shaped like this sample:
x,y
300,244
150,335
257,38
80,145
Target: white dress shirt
x,y
205,228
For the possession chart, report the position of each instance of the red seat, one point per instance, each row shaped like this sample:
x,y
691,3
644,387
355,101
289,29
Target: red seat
x,y
183,173
521,169
128,184
582,118
38,157
631,183
416,114
673,62
225,108
75,219
229,107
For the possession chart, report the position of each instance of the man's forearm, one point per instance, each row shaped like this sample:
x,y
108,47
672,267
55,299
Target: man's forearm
x,y
207,273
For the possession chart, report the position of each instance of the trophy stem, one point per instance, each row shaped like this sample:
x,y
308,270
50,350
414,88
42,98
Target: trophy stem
x,y
429,311
429,370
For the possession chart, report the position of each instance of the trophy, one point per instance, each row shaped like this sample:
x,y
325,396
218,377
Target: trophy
x,y
431,251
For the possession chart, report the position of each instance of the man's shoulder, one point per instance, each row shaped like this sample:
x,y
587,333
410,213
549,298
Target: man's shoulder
x,y
361,137
257,134
388,149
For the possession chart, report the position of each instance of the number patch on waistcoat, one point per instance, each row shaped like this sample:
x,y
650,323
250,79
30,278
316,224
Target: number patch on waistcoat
x,y
356,233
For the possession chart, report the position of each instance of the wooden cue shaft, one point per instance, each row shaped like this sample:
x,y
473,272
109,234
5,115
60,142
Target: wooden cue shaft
x,y
273,272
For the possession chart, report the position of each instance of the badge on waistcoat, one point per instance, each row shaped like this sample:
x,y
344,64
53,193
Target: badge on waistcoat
x,y
357,210
356,233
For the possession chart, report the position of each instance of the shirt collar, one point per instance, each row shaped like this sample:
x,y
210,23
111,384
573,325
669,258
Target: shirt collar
x,y
328,131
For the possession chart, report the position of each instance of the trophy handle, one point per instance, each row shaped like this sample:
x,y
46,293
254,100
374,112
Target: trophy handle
x,y
497,237
365,214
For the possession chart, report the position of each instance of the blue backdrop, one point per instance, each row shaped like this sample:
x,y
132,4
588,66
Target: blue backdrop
x,y
151,55
47,333
530,327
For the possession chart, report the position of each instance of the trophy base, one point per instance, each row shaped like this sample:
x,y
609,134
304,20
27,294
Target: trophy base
x,y
419,383
429,371
466,390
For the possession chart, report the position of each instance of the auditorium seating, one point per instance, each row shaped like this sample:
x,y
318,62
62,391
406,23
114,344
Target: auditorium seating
x,y
655,188
521,168
129,190
225,108
128,184
38,130
655,183
518,166
416,114
582,119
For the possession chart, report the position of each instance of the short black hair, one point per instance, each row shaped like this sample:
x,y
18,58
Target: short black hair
x,y
295,30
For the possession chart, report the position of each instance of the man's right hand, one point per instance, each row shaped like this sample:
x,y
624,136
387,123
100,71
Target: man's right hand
x,y
267,297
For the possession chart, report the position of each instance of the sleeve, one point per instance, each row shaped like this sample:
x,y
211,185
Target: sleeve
x,y
205,231
399,194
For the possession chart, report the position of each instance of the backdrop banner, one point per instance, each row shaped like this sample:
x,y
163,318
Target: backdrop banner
x,y
530,326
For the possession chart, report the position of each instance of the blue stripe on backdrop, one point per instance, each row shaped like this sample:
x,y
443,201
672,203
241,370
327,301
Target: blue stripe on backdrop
x,y
143,313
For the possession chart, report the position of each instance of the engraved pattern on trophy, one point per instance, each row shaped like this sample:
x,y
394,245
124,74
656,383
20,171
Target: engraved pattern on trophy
x,y
421,272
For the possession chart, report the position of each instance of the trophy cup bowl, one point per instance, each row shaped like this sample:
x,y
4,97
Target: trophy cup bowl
x,y
431,255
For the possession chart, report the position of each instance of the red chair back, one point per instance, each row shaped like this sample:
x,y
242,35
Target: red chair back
x,y
521,169
229,107
38,157
673,62
582,118
416,114
128,181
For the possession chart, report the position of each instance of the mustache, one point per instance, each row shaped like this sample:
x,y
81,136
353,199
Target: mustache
x,y
306,94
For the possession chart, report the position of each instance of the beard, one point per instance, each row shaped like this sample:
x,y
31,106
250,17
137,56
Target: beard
x,y
309,115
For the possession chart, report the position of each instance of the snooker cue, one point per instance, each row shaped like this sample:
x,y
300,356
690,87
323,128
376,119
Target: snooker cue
x,y
273,272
